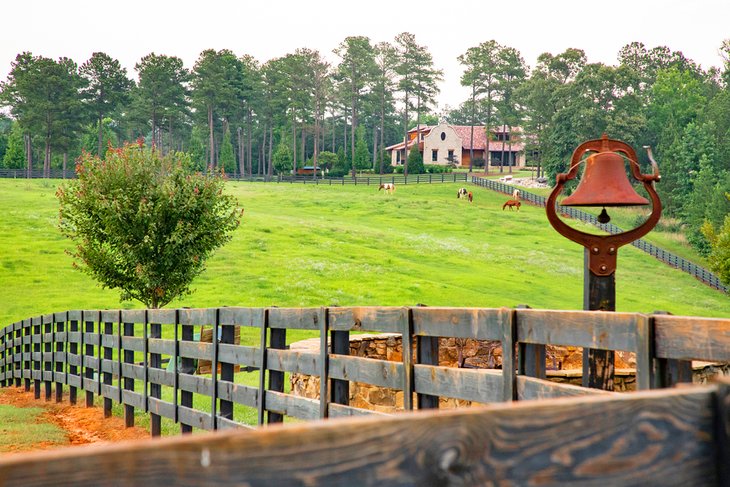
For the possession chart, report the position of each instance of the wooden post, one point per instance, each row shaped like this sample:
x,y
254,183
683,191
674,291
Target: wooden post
x,y
407,357
670,372
214,371
187,366
531,356
27,360
324,366
599,294
228,335
108,356
128,381
427,353
47,354
722,431
73,348
59,365
277,340
18,354
508,318
89,354
155,362
339,389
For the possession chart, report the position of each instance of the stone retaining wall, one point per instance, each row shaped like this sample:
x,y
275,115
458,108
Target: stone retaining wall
x,y
564,364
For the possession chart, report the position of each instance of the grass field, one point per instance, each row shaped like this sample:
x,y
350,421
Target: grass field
x,y
349,245
22,428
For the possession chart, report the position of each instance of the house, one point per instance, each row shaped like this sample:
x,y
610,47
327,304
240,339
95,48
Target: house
x,y
444,144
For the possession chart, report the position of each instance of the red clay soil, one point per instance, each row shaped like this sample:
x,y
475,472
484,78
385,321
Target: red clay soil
x,y
82,425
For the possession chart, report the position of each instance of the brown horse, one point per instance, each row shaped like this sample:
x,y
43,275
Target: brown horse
x,y
512,203
388,187
470,196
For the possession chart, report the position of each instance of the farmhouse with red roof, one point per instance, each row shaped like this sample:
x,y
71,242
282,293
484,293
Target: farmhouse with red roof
x,y
444,144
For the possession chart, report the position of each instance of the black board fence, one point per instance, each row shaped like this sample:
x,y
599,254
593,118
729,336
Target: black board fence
x,y
144,359
702,274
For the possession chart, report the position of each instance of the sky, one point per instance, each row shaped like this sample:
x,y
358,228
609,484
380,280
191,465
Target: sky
x,y
130,29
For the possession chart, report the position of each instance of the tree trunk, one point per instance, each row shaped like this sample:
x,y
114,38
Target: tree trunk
x,y
509,152
100,136
316,144
241,161
473,110
405,137
271,151
249,129
65,163
29,155
47,158
501,156
375,147
294,145
211,140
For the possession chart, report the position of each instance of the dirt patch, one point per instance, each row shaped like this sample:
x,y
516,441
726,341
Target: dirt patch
x,y
82,425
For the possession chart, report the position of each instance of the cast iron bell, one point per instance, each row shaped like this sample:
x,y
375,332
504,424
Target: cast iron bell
x,y
604,183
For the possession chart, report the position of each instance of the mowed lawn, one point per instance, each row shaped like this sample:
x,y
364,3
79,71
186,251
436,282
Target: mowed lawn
x,y
307,245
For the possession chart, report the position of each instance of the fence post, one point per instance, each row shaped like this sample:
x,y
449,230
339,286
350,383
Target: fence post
x,y
74,350
427,353
108,354
340,389
60,365
27,358
47,354
277,339
88,355
228,335
324,362
670,372
214,370
128,381
531,356
508,318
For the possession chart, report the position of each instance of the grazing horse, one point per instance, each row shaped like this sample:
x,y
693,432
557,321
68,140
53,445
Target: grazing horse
x,y
388,187
471,197
512,203
461,193
516,194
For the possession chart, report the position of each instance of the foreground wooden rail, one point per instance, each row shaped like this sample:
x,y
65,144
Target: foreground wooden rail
x,y
667,437
145,359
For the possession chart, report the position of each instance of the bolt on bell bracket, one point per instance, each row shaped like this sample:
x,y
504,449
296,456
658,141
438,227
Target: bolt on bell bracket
x,y
603,249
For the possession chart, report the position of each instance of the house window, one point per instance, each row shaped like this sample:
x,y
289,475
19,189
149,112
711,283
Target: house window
x,y
434,155
451,156
443,135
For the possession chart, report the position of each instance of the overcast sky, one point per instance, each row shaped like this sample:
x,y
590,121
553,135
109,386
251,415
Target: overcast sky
x,y
130,29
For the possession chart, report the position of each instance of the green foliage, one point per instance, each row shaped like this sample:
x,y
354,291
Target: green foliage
x,y
227,158
415,161
89,139
719,258
326,160
437,169
14,157
362,153
142,224
283,158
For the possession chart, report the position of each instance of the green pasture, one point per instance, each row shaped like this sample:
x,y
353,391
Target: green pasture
x,y
307,245
22,428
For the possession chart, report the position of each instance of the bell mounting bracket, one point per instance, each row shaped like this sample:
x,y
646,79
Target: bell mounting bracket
x,y
603,249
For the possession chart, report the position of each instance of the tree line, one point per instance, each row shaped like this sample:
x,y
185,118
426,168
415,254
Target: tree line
x,y
233,113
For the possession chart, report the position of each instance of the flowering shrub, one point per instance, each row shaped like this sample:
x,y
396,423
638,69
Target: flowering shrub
x,y
142,223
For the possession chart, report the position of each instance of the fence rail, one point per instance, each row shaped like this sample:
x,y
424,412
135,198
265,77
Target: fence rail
x,y
119,356
668,258
453,177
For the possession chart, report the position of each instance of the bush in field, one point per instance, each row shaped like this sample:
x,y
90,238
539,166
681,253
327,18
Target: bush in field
x,y
142,223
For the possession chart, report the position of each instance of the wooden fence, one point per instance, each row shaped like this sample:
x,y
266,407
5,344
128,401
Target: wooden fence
x,y
700,273
672,437
120,355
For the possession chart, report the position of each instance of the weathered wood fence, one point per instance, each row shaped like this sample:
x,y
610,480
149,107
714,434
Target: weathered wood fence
x,y
119,355
671,437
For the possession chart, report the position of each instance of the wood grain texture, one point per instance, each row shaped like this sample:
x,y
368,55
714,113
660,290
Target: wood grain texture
x,y
482,385
370,371
381,319
295,318
651,438
476,323
592,329
690,338
529,388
